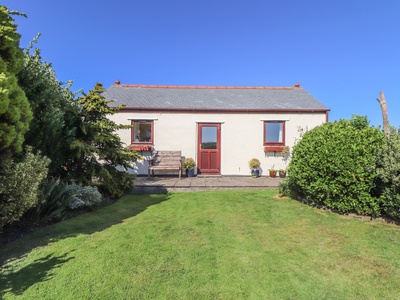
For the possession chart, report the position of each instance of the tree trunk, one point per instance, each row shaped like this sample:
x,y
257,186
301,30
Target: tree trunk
x,y
382,102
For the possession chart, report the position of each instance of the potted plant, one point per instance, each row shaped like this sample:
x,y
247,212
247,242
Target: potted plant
x,y
272,172
282,173
254,165
189,166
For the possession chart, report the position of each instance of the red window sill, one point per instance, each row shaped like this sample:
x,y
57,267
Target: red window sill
x,y
141,147
273,148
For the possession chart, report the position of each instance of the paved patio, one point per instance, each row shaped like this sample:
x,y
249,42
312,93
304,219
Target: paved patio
x,y
164,184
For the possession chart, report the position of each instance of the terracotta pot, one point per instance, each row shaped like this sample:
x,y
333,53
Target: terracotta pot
x,y
272,174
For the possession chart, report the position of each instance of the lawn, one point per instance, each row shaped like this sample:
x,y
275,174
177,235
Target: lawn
x,y
207,245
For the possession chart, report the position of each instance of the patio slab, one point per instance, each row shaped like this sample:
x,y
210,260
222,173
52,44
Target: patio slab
x,y
165,184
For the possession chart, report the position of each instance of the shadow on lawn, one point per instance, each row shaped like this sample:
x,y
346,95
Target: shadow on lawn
x,y
96,221
38,271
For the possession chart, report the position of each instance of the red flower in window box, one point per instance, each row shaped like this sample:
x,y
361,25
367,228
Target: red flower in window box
x,y
273,148
141,147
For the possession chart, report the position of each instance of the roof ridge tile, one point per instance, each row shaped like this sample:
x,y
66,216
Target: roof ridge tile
x,y
150,86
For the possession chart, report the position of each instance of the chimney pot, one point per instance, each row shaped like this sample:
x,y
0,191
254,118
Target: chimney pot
x,y
297,85
117,82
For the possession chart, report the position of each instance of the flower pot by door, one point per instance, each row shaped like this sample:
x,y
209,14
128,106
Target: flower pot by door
x,y
272,174
190,172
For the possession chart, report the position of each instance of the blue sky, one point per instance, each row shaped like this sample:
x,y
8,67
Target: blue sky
x,y
342,52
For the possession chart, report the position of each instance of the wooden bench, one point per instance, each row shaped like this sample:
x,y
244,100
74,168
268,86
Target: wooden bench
x,y
165,161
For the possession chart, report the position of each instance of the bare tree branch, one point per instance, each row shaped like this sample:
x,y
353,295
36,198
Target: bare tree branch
x,y
382,102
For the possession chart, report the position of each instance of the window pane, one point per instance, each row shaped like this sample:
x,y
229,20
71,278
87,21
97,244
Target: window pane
x,y
273,132
142,131
209,137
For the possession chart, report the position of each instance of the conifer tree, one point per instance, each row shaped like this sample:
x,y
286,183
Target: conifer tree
x,y
20,174
15,112
98,154
53,107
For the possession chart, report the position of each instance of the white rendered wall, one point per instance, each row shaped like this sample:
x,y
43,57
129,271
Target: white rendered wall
x,y
241,136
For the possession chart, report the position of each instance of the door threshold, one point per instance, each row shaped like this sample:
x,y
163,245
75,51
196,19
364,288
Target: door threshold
x,y
208,175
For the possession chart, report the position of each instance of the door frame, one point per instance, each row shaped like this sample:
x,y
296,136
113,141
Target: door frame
x,y
200,125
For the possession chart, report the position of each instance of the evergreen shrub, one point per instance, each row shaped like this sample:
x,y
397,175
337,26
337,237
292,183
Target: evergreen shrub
x,y
388,169
334,165
19,185
54,199
85,196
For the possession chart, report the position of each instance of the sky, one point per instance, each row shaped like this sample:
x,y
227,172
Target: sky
x,y
343,52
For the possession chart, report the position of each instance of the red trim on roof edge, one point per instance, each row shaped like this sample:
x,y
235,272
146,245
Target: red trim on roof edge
x,y
209,87
232,110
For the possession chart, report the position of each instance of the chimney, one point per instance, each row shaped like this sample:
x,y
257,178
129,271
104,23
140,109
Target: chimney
x,y
297,85
117,82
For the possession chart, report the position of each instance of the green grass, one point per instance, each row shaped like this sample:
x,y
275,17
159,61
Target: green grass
x,y
208,245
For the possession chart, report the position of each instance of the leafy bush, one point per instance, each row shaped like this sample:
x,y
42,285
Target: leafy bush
x,y
19,185
388,169
334,165
85,196
54,199
189,164
284,189
113,182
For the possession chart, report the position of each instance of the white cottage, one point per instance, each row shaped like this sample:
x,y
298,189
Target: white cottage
x,y
221,127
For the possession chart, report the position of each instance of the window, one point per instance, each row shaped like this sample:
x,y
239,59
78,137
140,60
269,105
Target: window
x,y
274,133
142,132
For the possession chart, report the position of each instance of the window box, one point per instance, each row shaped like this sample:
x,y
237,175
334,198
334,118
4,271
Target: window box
x,y
138,147
273,148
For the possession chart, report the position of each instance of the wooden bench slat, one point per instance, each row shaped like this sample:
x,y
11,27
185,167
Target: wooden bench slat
x,y
166,161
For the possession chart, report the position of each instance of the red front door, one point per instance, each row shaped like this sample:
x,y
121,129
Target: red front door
x,y
209,148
